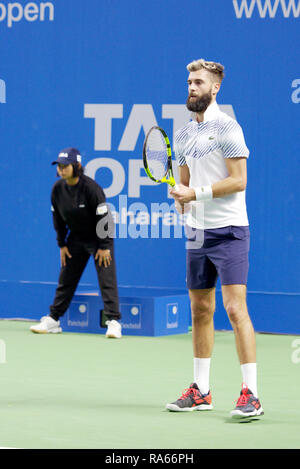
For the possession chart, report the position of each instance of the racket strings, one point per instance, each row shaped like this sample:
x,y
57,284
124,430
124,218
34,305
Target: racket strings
x,y
157,155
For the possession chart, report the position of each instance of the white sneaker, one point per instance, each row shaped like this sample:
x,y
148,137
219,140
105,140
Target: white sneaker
x,y
46,326
113,329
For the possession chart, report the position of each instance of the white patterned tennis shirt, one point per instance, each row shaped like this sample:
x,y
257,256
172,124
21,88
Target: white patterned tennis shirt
x,y
203,147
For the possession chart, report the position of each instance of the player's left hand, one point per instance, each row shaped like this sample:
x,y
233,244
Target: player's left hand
x,y
183,194
103,256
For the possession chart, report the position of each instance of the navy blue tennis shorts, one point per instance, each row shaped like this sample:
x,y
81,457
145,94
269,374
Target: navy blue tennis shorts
x,y
221,252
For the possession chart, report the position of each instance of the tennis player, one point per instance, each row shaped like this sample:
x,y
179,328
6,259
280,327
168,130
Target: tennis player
x,y
78,205
212,157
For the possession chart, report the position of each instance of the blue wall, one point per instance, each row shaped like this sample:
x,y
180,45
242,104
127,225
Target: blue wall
x,y
59,58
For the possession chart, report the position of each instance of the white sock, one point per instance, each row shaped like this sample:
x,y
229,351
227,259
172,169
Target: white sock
x,y
201,374
249,375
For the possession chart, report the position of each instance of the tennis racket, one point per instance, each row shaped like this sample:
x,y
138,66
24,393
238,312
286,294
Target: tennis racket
x,y
157,156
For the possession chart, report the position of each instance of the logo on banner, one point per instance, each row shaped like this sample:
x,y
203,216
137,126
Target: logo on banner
x,y
131,316
172,315
2,92
267,8
16,12
141,117
296,93
78,314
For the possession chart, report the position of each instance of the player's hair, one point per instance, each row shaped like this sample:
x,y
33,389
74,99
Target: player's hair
x,y
78,170
213,67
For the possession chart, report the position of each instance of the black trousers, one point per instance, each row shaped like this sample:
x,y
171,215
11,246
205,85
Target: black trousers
x,y
71,273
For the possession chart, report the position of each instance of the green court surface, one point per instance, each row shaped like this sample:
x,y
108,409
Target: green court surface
x,y
82,391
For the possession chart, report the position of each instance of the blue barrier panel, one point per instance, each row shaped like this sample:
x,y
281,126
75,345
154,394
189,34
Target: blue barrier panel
x,y
145,310
143,314
270,312
25,300
275,312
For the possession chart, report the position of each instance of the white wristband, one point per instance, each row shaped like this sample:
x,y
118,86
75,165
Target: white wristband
x,y
203,193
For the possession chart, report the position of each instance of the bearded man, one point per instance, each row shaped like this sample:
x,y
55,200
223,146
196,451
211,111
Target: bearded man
x,y
212,157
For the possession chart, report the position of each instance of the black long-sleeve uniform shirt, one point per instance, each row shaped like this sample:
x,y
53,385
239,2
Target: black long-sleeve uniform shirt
x,y
77,210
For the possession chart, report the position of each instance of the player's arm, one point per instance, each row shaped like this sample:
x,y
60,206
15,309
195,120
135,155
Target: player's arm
x,y
184,175
184,180
235,154
236,181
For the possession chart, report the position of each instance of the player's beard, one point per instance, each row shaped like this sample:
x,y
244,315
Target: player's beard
x,y
199,105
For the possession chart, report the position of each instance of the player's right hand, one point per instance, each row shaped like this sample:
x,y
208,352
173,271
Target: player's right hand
x,y
182,208
64,253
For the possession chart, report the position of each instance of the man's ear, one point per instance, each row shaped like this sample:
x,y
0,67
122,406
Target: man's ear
x,y
216,88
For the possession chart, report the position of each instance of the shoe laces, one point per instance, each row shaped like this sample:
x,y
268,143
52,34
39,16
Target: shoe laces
x,y
187,392
244,397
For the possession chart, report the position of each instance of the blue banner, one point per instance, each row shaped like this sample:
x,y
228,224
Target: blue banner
x,y
97,75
